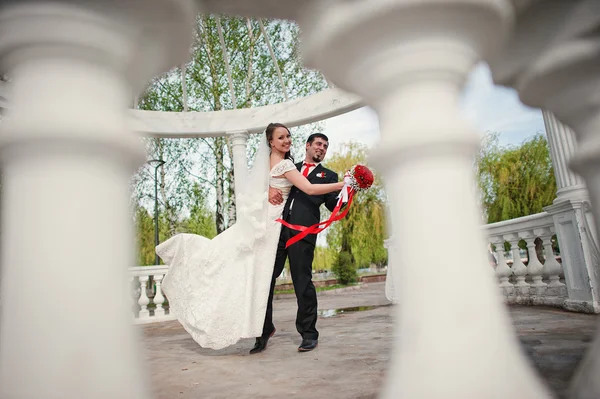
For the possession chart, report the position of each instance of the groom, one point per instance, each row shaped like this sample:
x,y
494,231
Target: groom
x,y
301,209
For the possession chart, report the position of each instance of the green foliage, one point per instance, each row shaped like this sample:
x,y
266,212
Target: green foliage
x,y
144,234
345,268
200,220
515,181
324,258
362,231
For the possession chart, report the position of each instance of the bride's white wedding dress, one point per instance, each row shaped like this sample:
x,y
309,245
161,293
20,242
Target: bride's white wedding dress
x,y
218,289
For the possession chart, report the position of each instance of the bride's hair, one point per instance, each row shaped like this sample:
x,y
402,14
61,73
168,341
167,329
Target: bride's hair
x,y
269,133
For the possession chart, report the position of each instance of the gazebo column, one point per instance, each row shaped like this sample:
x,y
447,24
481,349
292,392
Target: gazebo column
x,y
239,140
409,60
562,143
67,157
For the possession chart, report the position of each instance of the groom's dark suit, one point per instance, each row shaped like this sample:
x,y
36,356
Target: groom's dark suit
x,y
301,209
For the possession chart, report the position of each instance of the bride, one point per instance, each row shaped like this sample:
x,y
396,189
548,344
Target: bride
x,y
218,289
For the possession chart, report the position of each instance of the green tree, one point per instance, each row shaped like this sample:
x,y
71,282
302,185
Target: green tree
x,y
515,181
324,259
344,268
201,220
144,231
361,233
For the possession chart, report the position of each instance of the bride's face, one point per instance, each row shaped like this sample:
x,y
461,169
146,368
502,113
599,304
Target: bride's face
x,y
282,140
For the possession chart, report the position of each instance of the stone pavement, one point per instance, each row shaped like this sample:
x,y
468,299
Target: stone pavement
x,y
352,356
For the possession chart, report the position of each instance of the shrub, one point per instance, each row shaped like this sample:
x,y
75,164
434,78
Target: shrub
x,y
344,268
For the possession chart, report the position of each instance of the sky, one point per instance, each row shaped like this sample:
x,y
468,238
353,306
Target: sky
x,y
486,106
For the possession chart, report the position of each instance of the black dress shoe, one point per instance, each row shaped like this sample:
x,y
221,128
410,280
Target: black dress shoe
x,y
308,345
261,344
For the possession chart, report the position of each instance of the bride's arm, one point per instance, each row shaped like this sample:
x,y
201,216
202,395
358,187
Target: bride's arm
x,y
303,184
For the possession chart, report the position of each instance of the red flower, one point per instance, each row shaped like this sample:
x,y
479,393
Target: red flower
x,y
362,177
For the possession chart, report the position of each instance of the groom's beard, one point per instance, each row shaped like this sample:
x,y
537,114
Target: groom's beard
x,y
317,158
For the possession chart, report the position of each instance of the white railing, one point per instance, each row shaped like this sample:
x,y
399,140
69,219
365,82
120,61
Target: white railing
x,y
538,281
149,304
523,277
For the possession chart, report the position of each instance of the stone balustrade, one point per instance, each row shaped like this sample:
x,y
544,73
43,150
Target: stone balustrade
x,y
538,281
149,304
533,279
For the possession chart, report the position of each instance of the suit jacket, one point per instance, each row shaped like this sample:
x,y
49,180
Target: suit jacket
x,y
305,211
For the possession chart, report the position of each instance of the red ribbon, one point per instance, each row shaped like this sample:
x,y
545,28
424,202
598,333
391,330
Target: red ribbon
x,y
319,227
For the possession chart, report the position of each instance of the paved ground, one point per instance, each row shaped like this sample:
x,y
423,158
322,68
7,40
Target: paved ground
x,y
351,359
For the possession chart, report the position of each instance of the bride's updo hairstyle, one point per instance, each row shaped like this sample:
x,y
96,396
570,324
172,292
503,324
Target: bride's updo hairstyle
x,y
269,133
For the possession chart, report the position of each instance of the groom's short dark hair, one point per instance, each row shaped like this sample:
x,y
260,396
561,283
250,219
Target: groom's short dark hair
x,y
313,136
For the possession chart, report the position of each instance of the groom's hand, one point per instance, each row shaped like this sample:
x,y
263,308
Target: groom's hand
x,y
275,196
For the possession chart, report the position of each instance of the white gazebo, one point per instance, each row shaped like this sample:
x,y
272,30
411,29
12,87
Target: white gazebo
x,y
69,144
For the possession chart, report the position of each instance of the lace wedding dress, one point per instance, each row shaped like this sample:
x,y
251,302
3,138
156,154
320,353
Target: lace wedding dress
x,y
218,289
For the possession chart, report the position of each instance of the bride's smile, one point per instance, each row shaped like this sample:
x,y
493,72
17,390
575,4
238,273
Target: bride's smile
x,y
281,141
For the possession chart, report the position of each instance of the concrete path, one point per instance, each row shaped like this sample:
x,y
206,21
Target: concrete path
x,y
351,359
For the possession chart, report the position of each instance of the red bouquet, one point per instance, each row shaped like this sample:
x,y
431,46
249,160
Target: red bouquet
x,y
360,177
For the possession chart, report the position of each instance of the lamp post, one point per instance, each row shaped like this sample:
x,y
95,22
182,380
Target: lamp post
x,y
157,163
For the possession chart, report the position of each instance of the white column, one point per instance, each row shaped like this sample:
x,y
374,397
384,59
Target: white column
x,y
240,160
562,143
67,158
409,59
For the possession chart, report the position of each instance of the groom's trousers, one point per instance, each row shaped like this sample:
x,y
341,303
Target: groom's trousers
x,y
300,255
